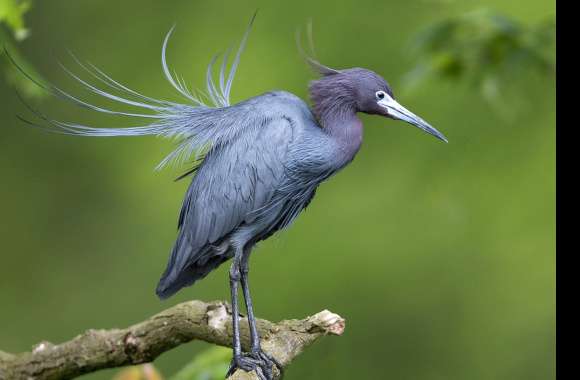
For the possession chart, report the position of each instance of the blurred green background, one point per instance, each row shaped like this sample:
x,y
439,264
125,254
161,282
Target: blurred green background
x,y
440,256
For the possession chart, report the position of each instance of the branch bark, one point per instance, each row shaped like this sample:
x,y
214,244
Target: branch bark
x,y
143,342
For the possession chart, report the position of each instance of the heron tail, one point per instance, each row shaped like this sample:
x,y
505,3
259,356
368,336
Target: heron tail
x,y
187,265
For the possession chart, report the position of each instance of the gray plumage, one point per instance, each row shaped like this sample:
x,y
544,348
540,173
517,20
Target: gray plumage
x,y
258,189
261,160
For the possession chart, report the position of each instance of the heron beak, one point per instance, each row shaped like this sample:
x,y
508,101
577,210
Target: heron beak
x,y
397,111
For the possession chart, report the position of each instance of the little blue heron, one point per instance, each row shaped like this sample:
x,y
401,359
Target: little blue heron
x,y
258,164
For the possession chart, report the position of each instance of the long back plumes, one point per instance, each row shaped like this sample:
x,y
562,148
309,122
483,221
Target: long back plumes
x,y
219,98
198,125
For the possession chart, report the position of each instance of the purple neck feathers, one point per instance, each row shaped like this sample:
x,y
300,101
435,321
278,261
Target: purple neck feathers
x,y
335,108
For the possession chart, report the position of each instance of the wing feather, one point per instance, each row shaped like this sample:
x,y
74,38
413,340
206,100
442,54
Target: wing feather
x,y
235,180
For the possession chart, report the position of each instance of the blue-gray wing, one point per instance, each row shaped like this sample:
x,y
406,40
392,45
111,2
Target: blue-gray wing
x,y
233,182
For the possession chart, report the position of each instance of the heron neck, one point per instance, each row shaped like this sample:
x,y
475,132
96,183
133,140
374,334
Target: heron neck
x,y
345,128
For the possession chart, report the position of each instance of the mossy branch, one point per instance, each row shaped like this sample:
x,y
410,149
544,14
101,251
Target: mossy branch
x,y
145,341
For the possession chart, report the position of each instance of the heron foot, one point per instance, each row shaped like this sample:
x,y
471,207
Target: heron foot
x,y
258,361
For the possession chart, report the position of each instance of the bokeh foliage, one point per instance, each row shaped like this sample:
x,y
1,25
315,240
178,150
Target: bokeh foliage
x,y
441,257
12,14
486,50
13,29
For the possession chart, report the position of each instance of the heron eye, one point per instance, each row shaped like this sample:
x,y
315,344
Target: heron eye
x,y
380,95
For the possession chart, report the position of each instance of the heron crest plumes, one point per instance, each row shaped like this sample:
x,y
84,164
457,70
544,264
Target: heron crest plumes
x,y
311,58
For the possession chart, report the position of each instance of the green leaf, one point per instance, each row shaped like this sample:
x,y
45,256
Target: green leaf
x,y
12,14
211,364
22,84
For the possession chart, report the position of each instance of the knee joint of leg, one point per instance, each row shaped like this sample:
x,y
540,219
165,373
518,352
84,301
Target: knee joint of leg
x,y
235,272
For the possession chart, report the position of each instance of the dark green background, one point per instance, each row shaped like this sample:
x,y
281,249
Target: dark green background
x,y
440,256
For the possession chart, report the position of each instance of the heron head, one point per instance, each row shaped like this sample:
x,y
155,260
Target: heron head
x,y
363,91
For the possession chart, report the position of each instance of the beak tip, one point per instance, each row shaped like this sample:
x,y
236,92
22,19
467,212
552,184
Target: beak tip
x,y
438,135
397,111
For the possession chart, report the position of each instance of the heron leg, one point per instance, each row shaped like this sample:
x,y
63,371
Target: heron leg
x,y
256,349
256,360
234,284
254,335
246,362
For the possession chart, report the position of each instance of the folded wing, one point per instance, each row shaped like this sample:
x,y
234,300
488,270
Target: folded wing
x,y
235,181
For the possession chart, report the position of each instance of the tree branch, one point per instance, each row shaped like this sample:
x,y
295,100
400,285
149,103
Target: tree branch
x,y
143,342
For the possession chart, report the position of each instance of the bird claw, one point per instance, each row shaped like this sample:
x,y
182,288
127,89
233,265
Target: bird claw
x,y
258,361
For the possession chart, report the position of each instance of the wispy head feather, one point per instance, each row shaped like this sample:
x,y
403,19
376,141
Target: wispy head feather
x,y
310,59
